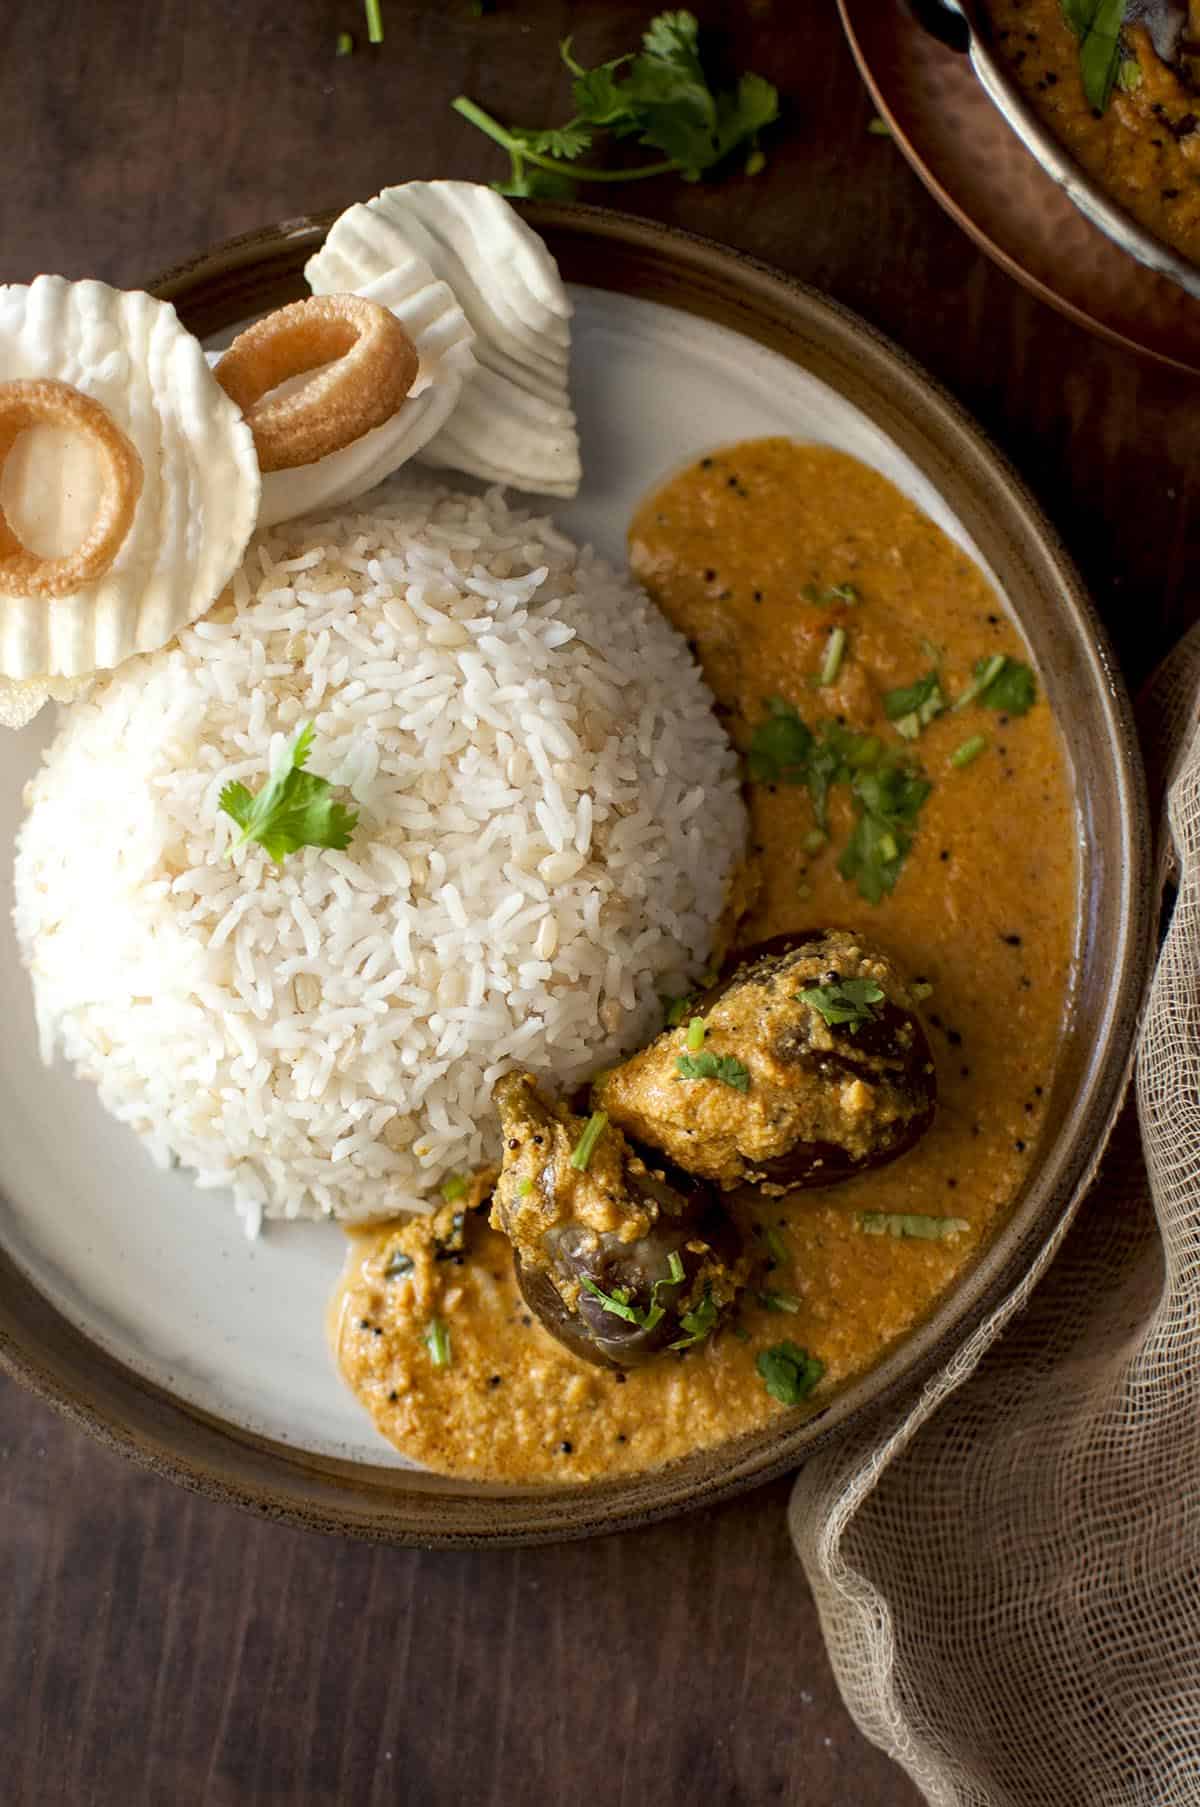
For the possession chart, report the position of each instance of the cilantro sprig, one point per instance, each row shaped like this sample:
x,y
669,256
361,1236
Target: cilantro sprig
x,y
660,95
294,809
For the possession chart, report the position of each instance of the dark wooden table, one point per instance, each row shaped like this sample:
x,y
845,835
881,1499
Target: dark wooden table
x,y
157,1648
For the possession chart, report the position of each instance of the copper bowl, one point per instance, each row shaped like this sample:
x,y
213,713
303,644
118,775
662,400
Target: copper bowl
x,y
963,24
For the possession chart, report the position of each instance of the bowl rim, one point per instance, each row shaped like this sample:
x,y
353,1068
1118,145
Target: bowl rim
x,y
61,1365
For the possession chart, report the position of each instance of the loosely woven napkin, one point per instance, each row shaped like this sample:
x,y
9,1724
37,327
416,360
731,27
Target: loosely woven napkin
x,y
1007,1568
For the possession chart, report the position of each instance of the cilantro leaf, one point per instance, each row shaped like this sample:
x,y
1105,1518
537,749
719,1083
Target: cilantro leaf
x,y
1097,25
849,1002
1013,690
599,98
566,141
758,106
705,1065
914,706
295,809
675,38
615,1302
780,746
789,1373
697,1323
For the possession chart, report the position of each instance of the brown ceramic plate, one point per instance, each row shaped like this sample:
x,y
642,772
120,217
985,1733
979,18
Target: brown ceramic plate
x,y
972,162
726,348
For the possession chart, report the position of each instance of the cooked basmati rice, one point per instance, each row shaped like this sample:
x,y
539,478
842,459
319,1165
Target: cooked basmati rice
x,y
549,817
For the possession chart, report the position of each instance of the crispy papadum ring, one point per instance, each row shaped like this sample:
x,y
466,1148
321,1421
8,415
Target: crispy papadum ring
x,y
23,698
376,366
29,402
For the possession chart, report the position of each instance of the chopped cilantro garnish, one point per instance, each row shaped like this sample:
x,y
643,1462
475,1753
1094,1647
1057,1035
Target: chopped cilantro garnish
x,y
724,1067
775,1244
890,799
1012,690
911,1224
779,1301
345,44
824,596
294,809
969,750
831,663
676,1009
454,1187
780,746
986,671
888,793
437,1341
619,1302
848,1003
914,706
695,1034
524,1188
697,1323
1001,683
879,128
675,1277
1097,25
789,1373
585,1148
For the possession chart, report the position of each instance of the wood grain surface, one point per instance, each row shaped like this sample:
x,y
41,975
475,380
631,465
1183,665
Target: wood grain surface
x,y
158,1648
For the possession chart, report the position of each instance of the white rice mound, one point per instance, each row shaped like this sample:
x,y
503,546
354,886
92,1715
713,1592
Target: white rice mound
x,y
550,813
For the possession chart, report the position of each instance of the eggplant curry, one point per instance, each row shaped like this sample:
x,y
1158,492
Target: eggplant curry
x,y
749,1211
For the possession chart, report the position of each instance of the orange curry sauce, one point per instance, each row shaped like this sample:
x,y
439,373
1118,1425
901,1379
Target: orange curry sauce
x,y
744,551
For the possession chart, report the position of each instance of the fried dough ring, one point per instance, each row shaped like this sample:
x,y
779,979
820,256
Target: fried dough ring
x,y
376,366
30,402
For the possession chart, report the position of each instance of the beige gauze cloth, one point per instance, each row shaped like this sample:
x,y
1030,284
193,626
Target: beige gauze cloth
x,y
1007,1567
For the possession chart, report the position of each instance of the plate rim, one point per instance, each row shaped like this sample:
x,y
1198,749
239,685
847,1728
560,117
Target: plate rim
x,y
219,1459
